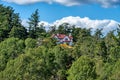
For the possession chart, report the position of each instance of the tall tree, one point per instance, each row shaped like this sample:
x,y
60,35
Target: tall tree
x,y
33,23
17,31
110,42
64,28
9,21
6,18
118,34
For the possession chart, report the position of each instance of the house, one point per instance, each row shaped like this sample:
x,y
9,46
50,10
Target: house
x,y
63,39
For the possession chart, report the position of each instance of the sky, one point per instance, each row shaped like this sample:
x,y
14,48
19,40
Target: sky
x,y
83,13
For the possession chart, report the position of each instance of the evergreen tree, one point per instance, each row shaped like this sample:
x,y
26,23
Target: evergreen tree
x,y
10,21
33,24
18,31
6,18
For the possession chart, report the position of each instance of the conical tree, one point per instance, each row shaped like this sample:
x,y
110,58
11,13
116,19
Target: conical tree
x,y
18,31
33,23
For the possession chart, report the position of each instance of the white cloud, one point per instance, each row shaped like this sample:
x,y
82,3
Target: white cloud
x,y
22,2
67,2
104,3
24,22
107,25
45,24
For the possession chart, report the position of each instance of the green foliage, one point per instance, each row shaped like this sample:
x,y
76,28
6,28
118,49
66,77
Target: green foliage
x,y
25,67
33,20
6,19
30,43
18,32
82,69
34,55
115,53
116,71
64,28
35,30
10,24
11,48
106,72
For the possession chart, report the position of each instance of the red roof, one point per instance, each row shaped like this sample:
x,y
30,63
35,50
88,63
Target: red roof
x,y
61,36
70,37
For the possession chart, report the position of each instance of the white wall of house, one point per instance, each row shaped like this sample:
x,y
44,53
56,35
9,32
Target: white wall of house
x,y
66,38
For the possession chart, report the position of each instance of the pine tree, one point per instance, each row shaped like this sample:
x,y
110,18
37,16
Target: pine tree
x,y
17,31
33,23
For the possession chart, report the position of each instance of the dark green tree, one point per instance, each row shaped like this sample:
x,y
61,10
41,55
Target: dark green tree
x,y
6,18
18,31
33,24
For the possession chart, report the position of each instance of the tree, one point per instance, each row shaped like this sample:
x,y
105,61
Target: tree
x,y
79,34
33,24
30,43
10,23
110,42
10,49
116,71
25,67
35,64
98,34
114,54
82,69
40,31
107,71
52,30
6,18
18,32
100,48
118,34
64,28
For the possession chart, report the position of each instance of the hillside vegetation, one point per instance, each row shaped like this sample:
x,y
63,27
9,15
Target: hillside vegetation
x,y
30,53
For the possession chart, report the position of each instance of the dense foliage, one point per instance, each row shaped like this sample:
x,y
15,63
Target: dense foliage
x,y
31,54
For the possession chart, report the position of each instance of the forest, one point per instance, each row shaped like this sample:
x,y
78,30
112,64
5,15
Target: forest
x,y
29,52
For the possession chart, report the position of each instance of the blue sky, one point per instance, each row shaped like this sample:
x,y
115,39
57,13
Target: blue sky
x,y
82,13
51,12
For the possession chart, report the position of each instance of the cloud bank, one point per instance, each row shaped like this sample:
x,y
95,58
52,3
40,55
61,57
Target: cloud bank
x,y
104,3
106,25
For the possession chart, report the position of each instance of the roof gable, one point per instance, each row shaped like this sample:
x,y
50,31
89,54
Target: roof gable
x,y
62,36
